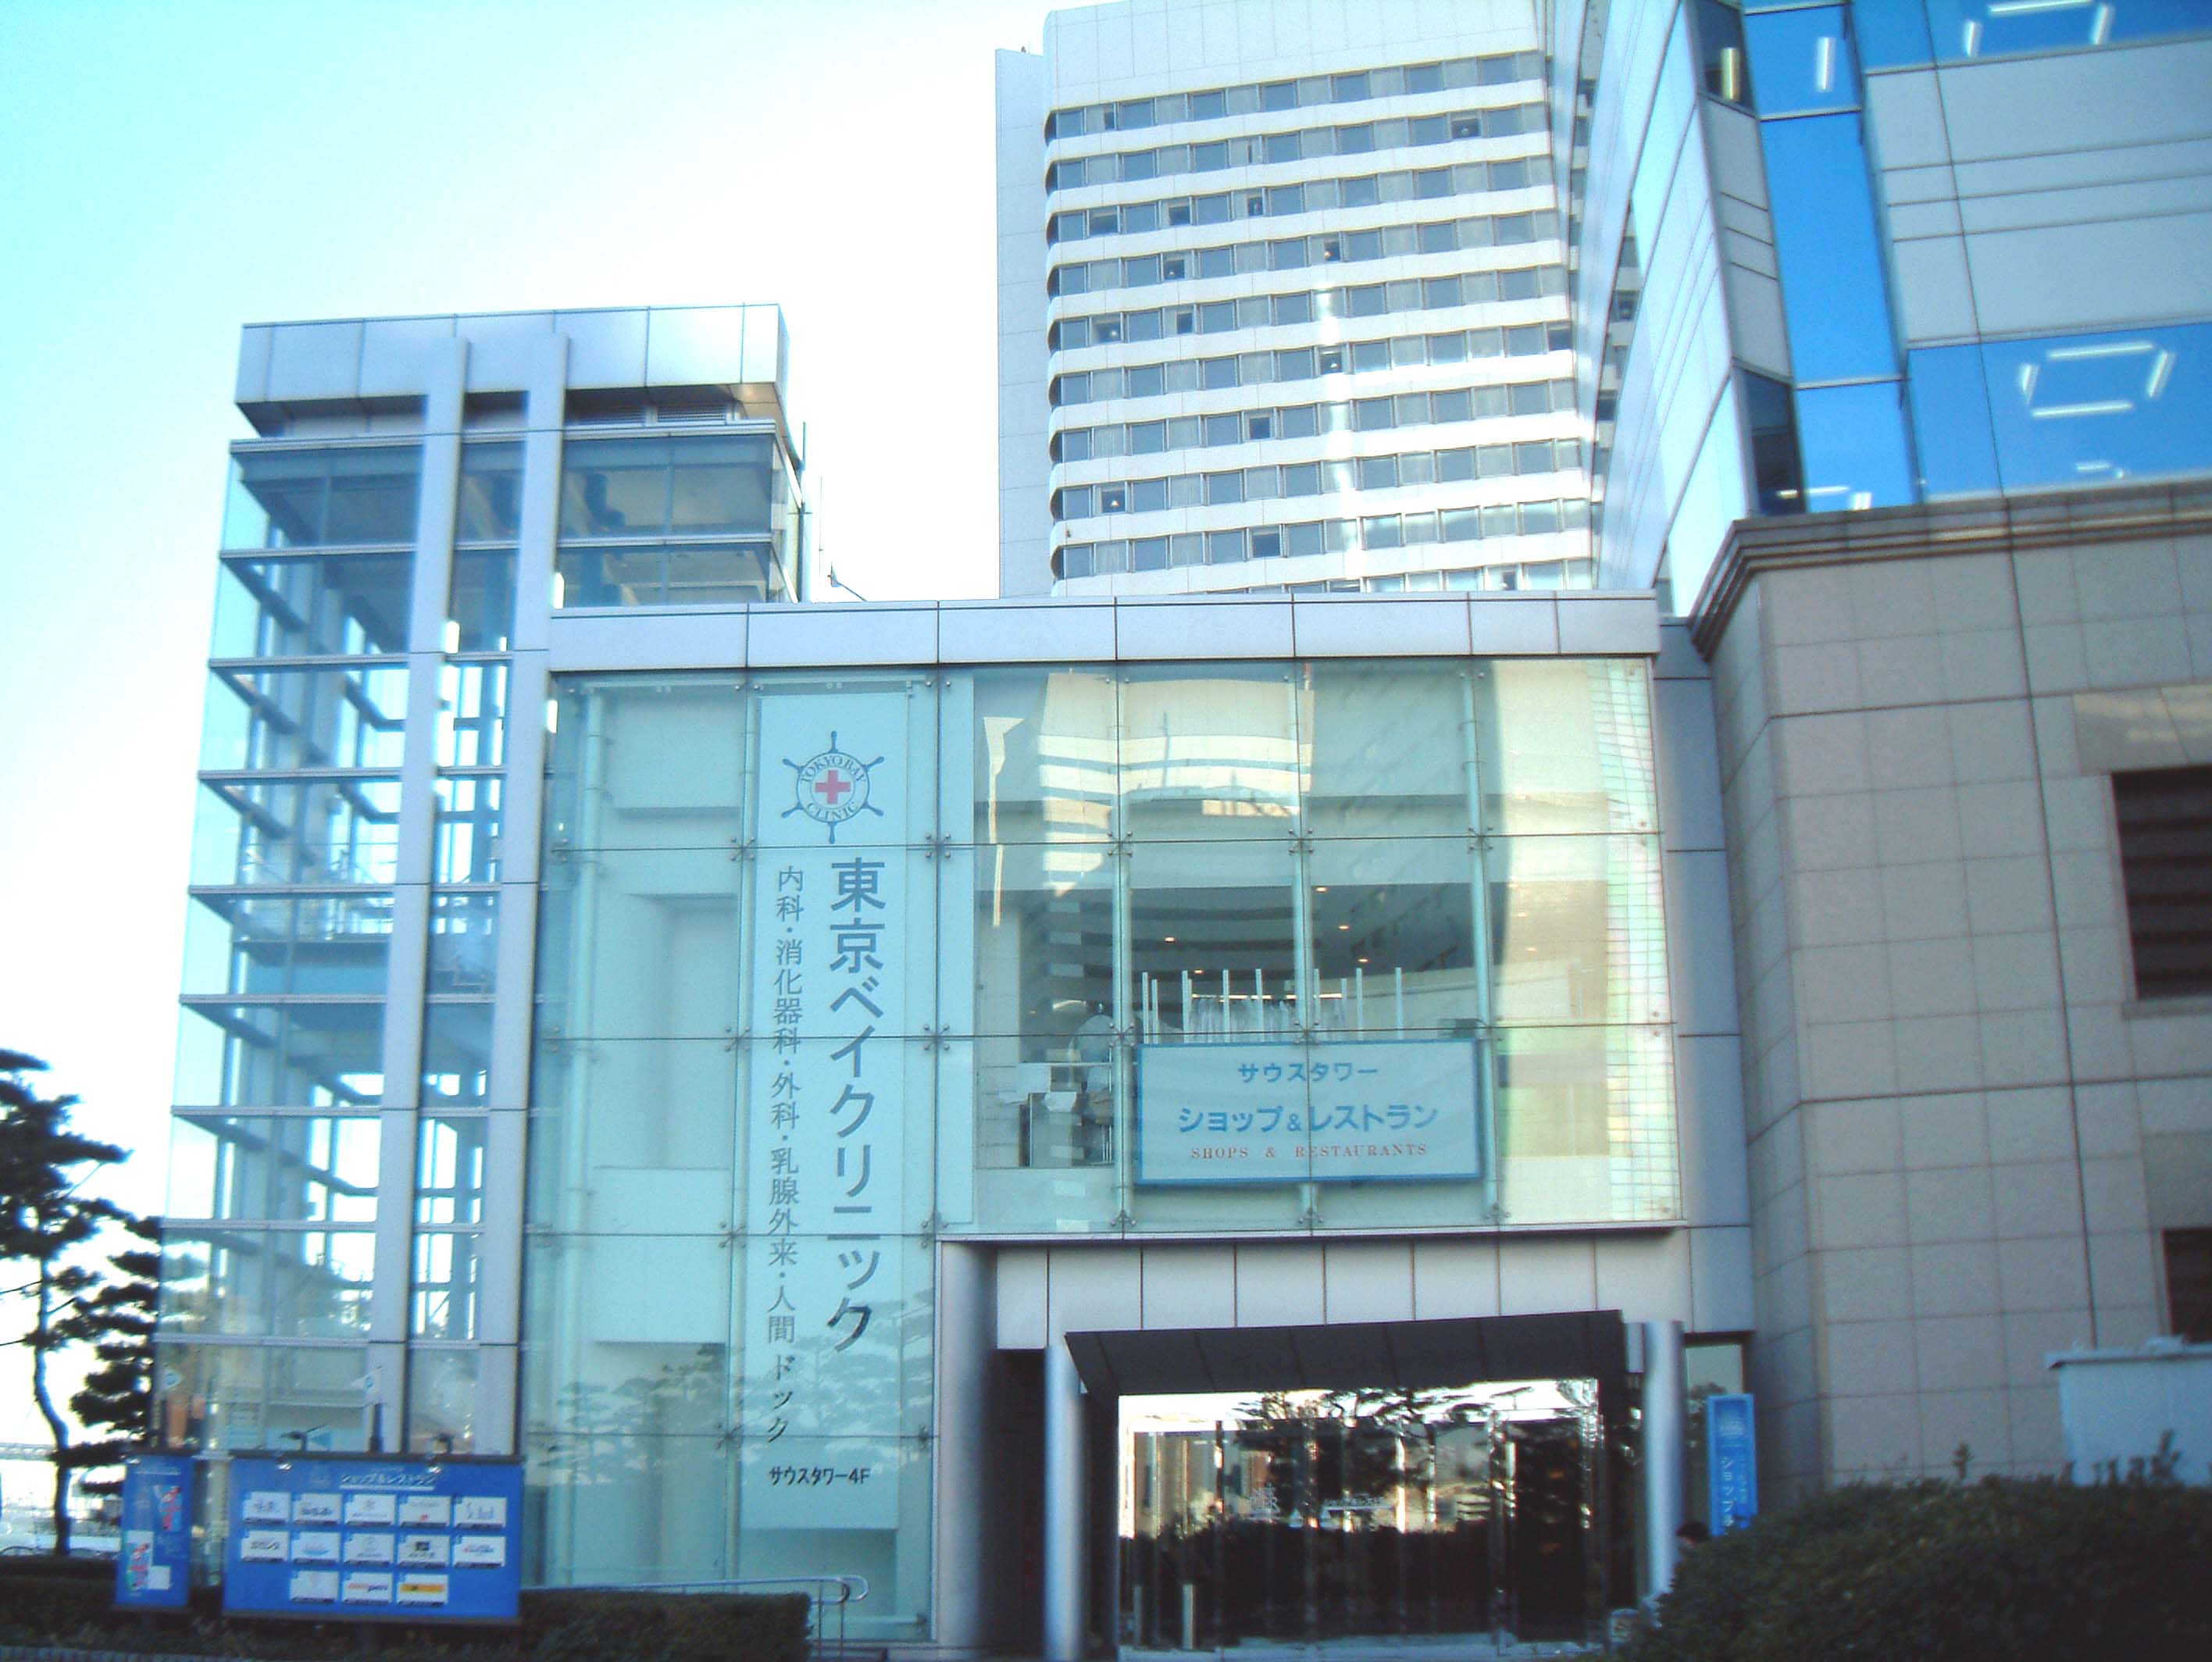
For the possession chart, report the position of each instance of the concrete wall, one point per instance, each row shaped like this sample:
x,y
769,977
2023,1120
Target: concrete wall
x,y
1965,1130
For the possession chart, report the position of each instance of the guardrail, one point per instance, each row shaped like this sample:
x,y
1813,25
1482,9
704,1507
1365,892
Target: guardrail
x,y
851,1590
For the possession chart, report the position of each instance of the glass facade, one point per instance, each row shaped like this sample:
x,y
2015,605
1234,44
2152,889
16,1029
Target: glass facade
x,y
834,965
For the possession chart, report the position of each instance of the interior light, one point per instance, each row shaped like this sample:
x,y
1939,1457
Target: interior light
x,y
1170,939
1344,926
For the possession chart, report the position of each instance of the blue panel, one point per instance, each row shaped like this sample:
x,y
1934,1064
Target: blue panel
x,y
1890,33
1801,60
371,1539
2086,410
1993,28
1832,291
1731,1461
1951,421
1853,440
154,1557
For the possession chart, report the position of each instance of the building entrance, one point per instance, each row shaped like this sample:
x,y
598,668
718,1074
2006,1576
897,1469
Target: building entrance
x,y
1299,1518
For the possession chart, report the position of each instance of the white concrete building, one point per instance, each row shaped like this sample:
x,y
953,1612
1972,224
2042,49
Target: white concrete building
x,y
1282,303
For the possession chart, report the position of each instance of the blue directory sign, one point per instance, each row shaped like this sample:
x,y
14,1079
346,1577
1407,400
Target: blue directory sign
x,y
1731,1461
368,1538
152,1563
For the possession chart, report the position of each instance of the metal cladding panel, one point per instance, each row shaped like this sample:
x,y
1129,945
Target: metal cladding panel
x,y
1401,1354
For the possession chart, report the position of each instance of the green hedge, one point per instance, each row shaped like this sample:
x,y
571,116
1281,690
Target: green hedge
x,y
1933,1571
68,1605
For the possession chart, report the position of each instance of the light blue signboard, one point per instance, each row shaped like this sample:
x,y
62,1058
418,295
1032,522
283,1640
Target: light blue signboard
x,y
1731,1462
368,1538
153,1560
1333,1111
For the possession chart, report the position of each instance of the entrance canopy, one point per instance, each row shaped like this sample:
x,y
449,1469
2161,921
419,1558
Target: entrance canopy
x,y
1340,1357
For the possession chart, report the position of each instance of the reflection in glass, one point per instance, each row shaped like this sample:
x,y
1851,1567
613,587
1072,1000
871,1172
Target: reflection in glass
x,y
286,499
285,1284
1990,29
442,1301
2088,410
1803,61
318,831
442,1400
1044,754
315,1054
1384,1513
456,1054
1577,931
490,506
480,606
350,716
1833,292
311,605
696,483
1208,753
1773,424
1213,944
472,714
1387,748
465,829
449,1169
277,1168
462,940
1720,43
1951,422
260,945
273,1396
1394,935
1853,440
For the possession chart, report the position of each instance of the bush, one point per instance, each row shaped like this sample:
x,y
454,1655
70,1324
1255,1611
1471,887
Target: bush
x,y
2004,1568
66,1605
612,1627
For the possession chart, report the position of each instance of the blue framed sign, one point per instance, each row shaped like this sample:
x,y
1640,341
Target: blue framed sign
x,y
1731,1462
368,1537
1336,1110
154,1557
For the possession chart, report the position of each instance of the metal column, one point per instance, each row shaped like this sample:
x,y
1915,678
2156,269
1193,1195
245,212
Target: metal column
x,y
1067,1475
1664,1426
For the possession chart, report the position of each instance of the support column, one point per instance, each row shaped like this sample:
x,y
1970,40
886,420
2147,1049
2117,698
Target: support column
x,y
1065,1507
1664,1388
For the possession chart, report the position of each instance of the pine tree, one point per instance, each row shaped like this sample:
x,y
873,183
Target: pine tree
x,y
43,1219
116,1320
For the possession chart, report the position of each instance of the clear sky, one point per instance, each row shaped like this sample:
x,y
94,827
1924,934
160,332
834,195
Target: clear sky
x,y
172,169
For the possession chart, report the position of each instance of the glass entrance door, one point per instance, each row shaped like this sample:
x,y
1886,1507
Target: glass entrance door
x,y
1294,1520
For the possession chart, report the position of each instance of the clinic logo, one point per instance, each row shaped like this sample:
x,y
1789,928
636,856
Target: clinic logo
x,y
831,786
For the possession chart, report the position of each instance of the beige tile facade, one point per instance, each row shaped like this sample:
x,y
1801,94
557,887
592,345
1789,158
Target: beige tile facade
x,y
1966,1134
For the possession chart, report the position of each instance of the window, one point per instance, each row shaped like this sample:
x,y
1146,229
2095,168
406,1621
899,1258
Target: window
x,y
2189,1284
2166,866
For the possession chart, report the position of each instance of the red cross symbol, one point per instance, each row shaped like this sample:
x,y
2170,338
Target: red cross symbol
x,y
833,788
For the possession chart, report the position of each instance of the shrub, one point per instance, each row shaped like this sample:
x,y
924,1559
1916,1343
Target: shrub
x,y
2004,1568
66,1605
613,1626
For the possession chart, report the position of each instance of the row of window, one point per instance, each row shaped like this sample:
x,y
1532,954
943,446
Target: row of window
x,y
1378,531
1446,236
1366,299
1498,69
1314,196
1313,143
1305,363
1379,415
1331,477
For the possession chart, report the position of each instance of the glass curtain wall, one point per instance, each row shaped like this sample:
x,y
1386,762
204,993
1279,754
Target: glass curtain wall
x,y
269,1248
831,966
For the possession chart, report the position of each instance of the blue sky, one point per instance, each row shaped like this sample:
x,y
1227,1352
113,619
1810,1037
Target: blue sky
x,y
170,170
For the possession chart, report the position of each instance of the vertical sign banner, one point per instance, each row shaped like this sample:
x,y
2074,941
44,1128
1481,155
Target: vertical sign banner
x,y
826,1132
1731,1461
153,1560
366,1538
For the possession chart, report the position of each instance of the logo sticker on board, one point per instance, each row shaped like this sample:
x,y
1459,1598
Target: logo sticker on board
x,y
830,787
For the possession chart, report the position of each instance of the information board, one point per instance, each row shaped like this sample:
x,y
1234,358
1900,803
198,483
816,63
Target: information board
x,y
1331,1111
1731,1462
374,1538
154,1557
